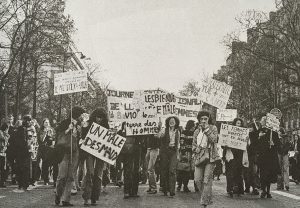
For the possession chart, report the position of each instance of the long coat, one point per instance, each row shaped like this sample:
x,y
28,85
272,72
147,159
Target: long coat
x,y
268,156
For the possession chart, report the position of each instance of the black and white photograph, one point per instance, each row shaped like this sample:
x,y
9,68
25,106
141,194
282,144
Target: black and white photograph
x,y
150,103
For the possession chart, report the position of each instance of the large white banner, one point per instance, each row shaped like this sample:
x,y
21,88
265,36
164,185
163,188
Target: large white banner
x,y
226,114
215,93
70,82
103,144
233,136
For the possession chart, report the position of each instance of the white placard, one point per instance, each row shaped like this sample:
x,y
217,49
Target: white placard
x,y
272,122
70,82
103,144
226,114
215,93
233,136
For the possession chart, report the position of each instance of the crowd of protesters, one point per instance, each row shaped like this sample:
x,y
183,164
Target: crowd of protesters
x,y
30,152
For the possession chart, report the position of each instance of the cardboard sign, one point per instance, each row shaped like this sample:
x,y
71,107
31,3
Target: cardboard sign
x,y
233,136
272,122
215,93
142,127
103,144
226,114
70,82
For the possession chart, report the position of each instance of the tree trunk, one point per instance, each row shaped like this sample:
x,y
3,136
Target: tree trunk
x,y
34,107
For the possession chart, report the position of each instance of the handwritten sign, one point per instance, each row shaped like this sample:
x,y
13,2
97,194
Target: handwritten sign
x,y
233,136
103,144
70,82
142,127
272,122
215,93
226,114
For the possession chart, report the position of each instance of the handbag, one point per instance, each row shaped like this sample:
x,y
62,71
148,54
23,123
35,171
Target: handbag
x,y
203,156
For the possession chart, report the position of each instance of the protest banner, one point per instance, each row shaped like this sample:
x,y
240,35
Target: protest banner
x,y
215,93
120,108
272,122
276,112
226,114
233,136
70,82
103,144
142,127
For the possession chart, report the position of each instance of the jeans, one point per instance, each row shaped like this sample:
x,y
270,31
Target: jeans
x,y
151,157
283,178
2,170
203,178
93,177
65,179
168,170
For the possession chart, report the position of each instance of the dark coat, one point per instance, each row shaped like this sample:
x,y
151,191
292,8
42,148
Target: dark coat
x,y
268,156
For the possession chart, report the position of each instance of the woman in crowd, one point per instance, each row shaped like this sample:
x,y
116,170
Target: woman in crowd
x,y
4,136
296,168
252,149
204,139
169,136
234,166
130,156
185,156
46,145
94,166
69,160
268,145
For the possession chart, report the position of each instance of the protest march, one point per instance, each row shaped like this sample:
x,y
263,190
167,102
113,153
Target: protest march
x,y
150,103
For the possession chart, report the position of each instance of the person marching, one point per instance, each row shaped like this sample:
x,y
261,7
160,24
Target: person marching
x,y
68,164
268,145
168,154
205,154
94,166
184,166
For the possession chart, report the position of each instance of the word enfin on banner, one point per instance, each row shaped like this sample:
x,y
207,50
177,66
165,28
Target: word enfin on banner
x,y
103,143
215,93
70,82
233,136
226,114
272,122
142,127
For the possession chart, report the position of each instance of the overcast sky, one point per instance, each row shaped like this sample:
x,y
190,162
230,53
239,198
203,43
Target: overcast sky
x,y
145,44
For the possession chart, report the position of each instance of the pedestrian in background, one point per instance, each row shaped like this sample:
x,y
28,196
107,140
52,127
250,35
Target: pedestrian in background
x,y
283,158
169,148
204,139
4,137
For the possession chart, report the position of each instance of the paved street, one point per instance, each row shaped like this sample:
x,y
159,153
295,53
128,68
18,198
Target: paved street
x,y
43,196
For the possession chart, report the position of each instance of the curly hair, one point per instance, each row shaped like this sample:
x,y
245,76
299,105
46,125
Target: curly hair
x,y
100,113
177,122
236,120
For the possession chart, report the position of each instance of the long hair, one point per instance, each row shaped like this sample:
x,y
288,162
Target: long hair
x,y
236,120
100,113
189,125
43,127
177,122
76,112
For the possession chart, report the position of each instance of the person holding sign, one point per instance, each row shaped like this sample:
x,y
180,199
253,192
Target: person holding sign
x,y
94,166
205,154
268,144
234,166
68,134
168,154
130,156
